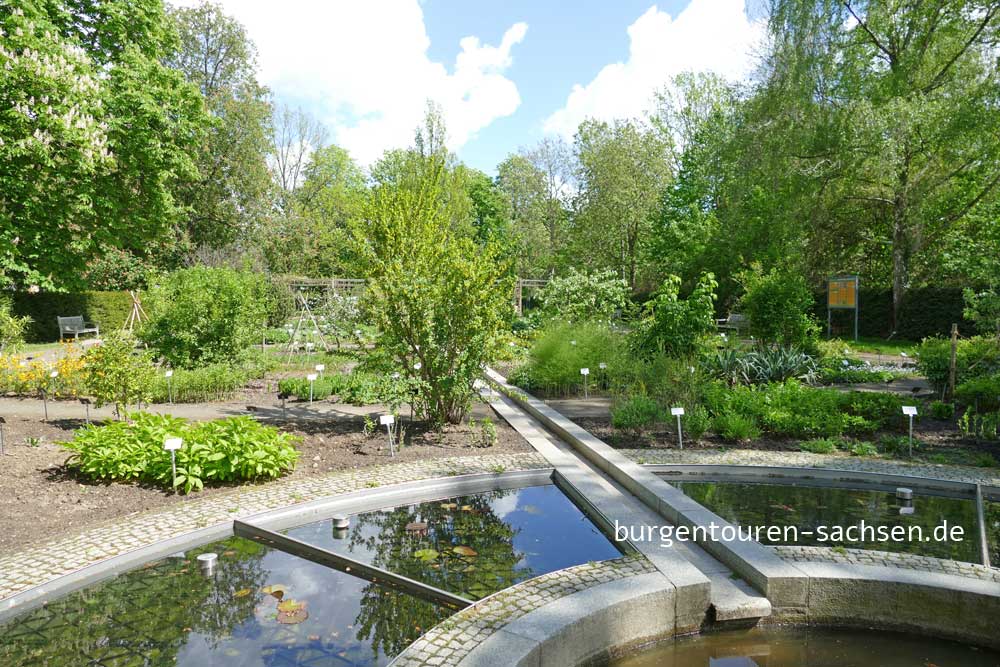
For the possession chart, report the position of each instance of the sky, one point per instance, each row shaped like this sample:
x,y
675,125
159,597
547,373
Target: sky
x,y
506,73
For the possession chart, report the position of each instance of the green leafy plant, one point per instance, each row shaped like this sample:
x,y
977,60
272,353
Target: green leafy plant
x,y
635,413
863,449
12,327
736,427
778,305
487,433
819,446
975,357
674,325
981,426
561,350
983,393
579,296
117,374
984,460
205,315
943,411
221,451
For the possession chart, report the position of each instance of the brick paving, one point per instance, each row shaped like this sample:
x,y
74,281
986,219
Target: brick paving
x,y
450,641
753,457
885,559
26,569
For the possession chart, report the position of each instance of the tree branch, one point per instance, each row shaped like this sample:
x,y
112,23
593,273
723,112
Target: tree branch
x,y
864,26
937,80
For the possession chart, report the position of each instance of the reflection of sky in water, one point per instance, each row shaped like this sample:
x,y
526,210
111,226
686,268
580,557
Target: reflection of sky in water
x,y
550,532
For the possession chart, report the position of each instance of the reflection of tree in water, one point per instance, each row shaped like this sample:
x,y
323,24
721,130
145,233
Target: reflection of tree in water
x,y
142,617
459,545
992,515
806,508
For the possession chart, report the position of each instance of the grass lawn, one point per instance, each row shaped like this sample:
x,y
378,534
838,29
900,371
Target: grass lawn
x,y
38,347
881,346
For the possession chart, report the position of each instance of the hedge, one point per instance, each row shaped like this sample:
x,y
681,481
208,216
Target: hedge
x,y
925,311
109,310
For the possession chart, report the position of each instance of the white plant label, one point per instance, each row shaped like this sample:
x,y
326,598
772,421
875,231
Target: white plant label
x,y
603,366
676,412
54,374
910,410
320,368
168,374
386,420
584,371
172,444
312,377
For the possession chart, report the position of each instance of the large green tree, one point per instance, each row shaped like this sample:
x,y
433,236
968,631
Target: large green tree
x,y
96,135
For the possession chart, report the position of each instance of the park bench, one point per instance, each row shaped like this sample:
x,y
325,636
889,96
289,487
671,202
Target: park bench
x,y
75,326
734,322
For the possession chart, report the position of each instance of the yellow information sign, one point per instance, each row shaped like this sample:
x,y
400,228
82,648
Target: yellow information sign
x,y
843,293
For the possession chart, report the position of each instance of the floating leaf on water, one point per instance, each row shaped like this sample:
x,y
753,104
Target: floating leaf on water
x,y
229,554
531,509
242,593
465,551
471,568
426,555
448,506
466,508
292,617
416,527
314,638
274,590
288,606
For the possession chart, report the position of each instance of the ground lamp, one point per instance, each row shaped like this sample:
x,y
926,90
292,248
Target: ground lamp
x,y
678,412
172,445
169,374
388,421
905,496
911,412
585,372
207,563
312,379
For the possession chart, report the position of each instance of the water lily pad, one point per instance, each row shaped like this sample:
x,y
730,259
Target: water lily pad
x,y
448,506
293,617
426,555
416,527
275,590
466,508
465,551
288,606
242,593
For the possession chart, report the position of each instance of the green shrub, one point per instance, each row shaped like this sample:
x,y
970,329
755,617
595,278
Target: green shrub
x,y
880,408
763,364
736,427
984,460
580,296
486,434
214,382
981,426
778,305
12,328
109,310
982,393
898,445
974,357
117,374
943,411
674,325
205,315
983,308
358,387
225,450
562,349
818,446
635,413
863,449
696,422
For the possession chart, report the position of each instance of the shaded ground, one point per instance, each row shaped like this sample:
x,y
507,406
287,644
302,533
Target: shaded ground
x,y
41,498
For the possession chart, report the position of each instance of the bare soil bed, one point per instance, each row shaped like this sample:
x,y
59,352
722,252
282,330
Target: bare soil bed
x,y
41,498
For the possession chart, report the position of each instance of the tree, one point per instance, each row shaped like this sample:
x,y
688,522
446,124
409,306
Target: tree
x,y
438,300
232,193
491,211
295,135
96,136
623,170
524,186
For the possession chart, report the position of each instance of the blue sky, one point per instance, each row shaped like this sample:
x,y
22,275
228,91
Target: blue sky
x,y
505,73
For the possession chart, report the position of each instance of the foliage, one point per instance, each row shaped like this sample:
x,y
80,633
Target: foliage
x,y
982,392
943,411
580,296
221,451
109,310
778,305
974,357
358,387
674,325
983,308
213,382
863,449
12,328
635,413
487,432
819,446
99,138
204,315
842,370
562,349
117,374
439,302
736,427
762,364
980,425
26,377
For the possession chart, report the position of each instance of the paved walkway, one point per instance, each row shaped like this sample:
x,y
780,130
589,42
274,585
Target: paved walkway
x,y
42,563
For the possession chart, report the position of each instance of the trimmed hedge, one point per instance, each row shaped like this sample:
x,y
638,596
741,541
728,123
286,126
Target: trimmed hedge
x,y
926,311
109,310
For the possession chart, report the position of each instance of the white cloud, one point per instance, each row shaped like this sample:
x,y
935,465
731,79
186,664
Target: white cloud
x,y
363,68
708,35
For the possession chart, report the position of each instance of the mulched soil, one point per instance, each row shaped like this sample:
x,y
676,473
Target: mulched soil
x,y
41,498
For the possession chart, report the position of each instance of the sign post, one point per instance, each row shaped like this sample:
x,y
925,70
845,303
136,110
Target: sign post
x,y
388,421
585,372
911,412
841,294
172,445
677,412
169,374
312,379
320,368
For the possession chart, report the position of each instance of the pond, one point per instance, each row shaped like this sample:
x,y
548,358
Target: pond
x,y
809,508
812,647
267,608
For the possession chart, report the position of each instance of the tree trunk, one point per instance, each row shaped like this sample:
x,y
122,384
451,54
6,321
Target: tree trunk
x,y
899,269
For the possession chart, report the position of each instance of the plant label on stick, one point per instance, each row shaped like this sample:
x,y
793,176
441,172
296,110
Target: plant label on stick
x,y
386,420
910,410
676,412
584,371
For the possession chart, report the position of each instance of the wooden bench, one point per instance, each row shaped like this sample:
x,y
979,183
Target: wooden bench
x,y
734,322
75,326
